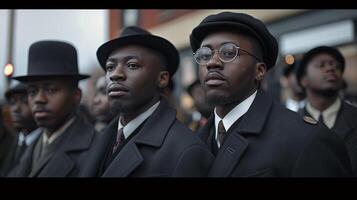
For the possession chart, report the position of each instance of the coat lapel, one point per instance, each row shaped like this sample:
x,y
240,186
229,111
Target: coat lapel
x,y
98,151
78,138
232,150
151,134
342,126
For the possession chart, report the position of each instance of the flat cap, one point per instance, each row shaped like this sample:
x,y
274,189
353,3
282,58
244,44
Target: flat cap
x,y
240,22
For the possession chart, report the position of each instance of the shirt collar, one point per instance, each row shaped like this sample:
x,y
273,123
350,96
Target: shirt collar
x,y
329,114
136,122
48,140
29,138
234,114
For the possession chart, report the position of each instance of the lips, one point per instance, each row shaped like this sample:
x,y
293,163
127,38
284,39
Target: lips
x,y
41,113
117,90
331,77
214,79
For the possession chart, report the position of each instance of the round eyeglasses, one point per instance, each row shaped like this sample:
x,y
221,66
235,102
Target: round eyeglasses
x,y
226,53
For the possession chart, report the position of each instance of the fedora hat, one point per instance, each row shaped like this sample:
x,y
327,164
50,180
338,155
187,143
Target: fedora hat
x,y
48,59
136,35
19,88
239,22
308,56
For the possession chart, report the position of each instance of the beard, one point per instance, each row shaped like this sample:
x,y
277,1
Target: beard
x,y
218,100
330,92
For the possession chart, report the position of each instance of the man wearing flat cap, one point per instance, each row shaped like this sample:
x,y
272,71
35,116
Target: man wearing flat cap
x,y
53,95
320,73
145,139
23,123
249,134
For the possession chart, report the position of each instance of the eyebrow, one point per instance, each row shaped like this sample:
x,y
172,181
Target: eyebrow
x,y
115,59
223,43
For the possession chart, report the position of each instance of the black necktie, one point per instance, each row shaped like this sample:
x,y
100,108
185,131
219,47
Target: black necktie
x,y
221,132
321,119
119,140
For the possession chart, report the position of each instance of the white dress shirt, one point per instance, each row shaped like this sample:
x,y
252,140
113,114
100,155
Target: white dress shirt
x,y
29,138
329,114
137,121
233,115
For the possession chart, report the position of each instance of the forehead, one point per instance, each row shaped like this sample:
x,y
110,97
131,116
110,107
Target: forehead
x,y
323,56
136,51
221,37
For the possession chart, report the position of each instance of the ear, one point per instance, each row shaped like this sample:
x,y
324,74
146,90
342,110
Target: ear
x,y
163,79
260,71
303,81
77,96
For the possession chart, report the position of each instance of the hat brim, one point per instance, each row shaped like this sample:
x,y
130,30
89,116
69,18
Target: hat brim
x,y
39,77
151,41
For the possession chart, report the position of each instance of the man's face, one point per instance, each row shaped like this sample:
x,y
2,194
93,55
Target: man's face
x,y
323,74
133,78
20,112
52,102
230,82
101,109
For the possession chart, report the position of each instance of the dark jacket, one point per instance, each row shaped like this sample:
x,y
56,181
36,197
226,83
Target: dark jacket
x,y
272,141
163,147
346,127
67,160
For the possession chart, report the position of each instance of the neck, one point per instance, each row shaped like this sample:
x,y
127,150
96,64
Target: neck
x,y
127,117
223,110
319,102
51,130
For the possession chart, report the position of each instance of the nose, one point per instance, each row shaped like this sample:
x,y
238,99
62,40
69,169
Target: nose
x,y
214,62
96,99
16,108
40,97
117,74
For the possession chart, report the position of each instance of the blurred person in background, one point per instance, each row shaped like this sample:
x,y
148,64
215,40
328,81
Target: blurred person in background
x,y
101,111
320,74
23,123
294,95
202,109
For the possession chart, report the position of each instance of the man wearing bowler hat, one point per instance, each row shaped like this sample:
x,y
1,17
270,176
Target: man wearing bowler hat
x,y
249,134
23,123
320,74
145,139
53,95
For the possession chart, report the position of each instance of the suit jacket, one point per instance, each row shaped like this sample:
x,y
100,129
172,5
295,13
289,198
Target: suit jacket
x,y
163,147
8,160
346,127
67,160
272,141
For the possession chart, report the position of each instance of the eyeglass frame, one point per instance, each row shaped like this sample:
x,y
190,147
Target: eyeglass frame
x,y
214,51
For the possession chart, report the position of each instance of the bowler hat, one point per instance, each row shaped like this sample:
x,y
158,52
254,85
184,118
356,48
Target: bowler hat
x,y
242,23
18,88
136,35
47,59
312,53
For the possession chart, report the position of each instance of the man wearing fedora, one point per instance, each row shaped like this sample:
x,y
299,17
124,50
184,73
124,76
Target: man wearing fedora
x,y
23,123
249,134
53,95
320,74
145,139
